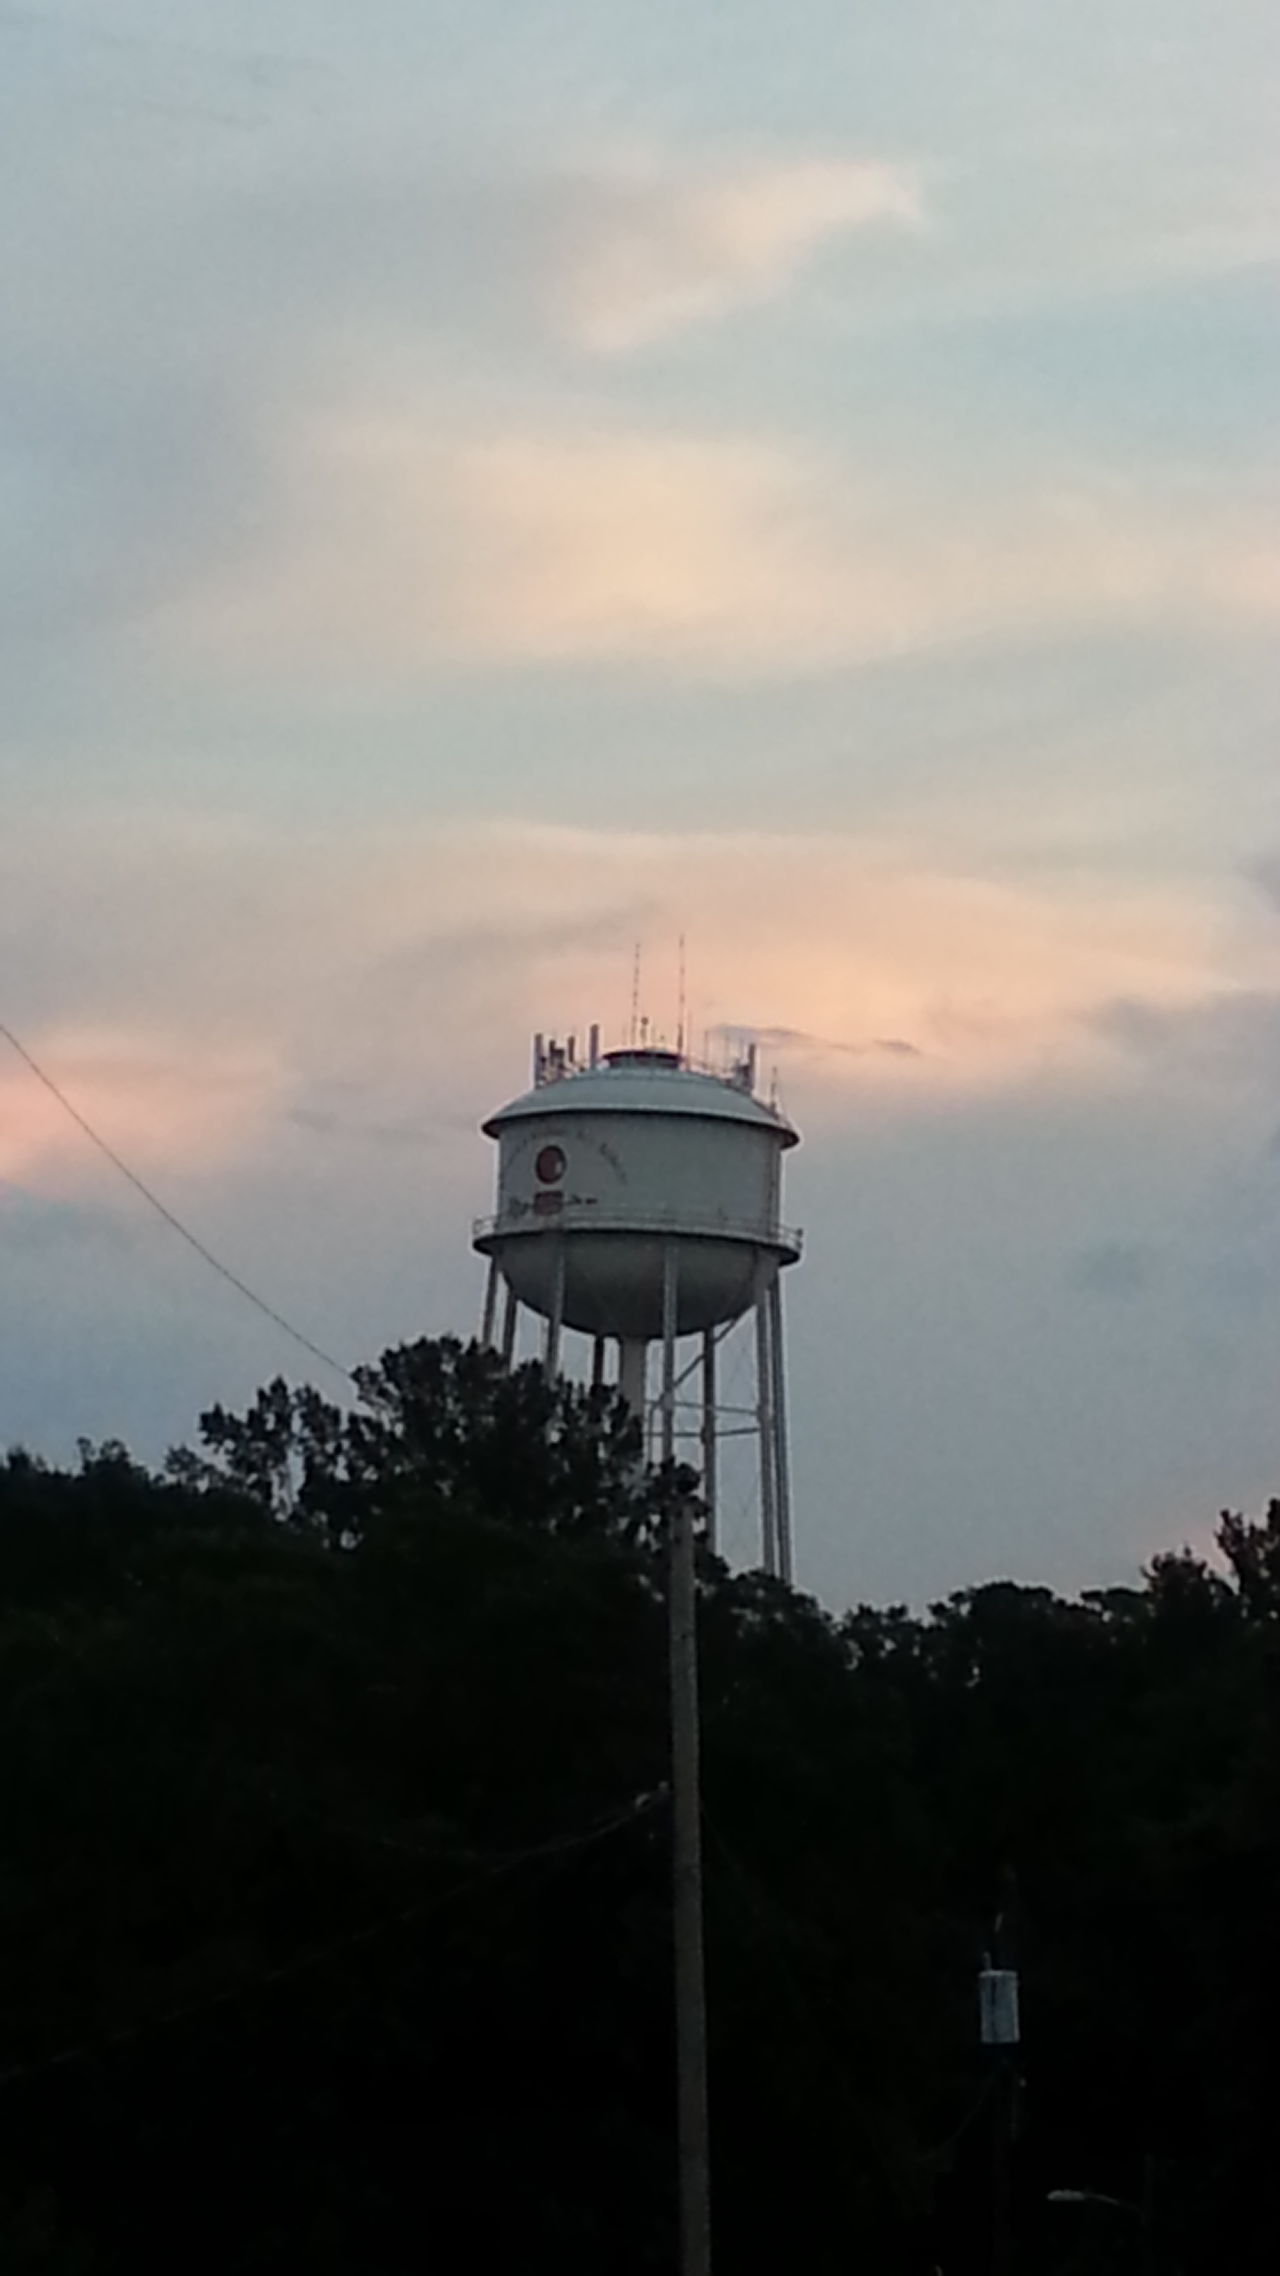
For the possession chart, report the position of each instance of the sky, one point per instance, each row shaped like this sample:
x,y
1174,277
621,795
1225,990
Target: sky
x,y
483,486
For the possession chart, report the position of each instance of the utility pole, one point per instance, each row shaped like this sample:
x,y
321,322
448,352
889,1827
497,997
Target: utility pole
x,y
1147,2210
1002,2126
690,1982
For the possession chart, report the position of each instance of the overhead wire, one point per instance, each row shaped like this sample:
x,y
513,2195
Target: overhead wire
x,y
500,1861
174,1222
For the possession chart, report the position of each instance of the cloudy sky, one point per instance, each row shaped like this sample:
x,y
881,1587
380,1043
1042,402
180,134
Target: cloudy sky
x,y
482,485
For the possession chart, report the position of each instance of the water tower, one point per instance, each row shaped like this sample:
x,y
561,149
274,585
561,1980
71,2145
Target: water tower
x,y
639,1203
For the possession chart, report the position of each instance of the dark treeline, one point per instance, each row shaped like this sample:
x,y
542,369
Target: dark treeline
x,y
334,1882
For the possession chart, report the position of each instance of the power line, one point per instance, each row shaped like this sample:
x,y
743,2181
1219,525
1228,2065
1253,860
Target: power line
x,y
501,1861
175,1224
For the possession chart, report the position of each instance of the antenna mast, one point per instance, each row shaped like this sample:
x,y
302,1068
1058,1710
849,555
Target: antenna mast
x,y
635,995
682,1005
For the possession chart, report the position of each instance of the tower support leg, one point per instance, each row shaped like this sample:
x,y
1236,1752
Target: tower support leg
x,y
633,1367
781,1458
510,1320
555,1317
710,1442
765,1424
489,1316
597,1363
670,1294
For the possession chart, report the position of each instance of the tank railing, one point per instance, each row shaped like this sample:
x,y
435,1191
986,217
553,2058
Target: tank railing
x,y
737,1075
605,1217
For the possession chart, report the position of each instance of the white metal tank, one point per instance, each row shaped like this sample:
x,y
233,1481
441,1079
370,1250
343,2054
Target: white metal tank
x,y
618,1159
639,1201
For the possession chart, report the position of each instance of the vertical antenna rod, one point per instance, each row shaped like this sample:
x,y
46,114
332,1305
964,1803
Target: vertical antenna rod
x,y
682,1006
635,995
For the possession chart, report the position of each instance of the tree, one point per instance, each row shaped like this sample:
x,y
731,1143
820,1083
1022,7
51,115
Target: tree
x,y
436,1426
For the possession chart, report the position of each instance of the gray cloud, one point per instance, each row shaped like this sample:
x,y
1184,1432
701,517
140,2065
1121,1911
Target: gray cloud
x,y
798,1039
325,1122
1115,1268
1264,874
485,947
32,1224
1233,1035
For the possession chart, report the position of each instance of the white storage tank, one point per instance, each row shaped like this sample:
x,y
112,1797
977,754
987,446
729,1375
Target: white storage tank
x,y
618,1159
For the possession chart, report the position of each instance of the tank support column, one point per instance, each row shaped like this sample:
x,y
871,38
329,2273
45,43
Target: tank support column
x,y
765,1424
633,1354
555,1317
510,1316
597,1363
710,1446
670,1270
782,1466
489,1317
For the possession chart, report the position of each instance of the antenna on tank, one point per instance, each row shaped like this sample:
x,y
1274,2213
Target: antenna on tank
x,y
681,1003
635,995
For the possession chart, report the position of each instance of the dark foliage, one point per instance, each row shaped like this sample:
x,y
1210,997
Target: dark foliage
x,y
334,1885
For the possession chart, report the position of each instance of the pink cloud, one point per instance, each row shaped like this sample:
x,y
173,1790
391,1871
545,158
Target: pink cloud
x,y
400,549
154,1099
394,978
653,248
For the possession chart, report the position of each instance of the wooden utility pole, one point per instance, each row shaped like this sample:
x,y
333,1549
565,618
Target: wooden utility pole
x,y
690,1983
1002,2129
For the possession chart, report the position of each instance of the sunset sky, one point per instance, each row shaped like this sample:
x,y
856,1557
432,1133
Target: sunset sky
x,y
484,485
